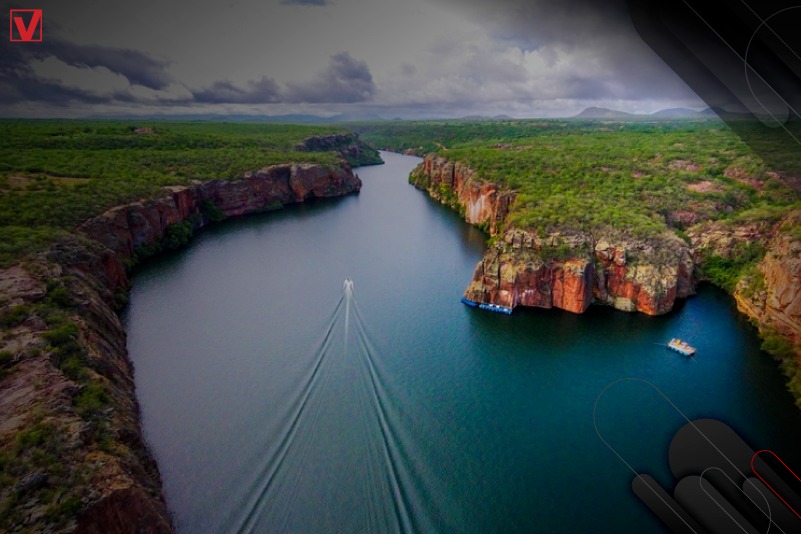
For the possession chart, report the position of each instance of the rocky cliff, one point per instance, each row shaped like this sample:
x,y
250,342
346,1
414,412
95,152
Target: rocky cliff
x,y
138,227
769,295
571,272
348,145
457,185
73,457
561,270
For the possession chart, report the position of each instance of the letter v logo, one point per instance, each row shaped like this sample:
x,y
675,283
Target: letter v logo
x,y
25,33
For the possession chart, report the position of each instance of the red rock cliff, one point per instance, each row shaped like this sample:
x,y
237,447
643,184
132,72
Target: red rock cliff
x,y
124,229
524,269
96,470
521,270
771,295
457,185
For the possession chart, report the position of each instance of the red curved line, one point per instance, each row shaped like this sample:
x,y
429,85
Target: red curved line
x,y
776,493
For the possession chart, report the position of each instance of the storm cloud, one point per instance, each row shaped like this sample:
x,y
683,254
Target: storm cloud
x,y
416,59
306,2
346,80
263,91
63,72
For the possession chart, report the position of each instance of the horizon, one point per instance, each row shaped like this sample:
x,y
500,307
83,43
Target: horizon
x,y
539,60
344,117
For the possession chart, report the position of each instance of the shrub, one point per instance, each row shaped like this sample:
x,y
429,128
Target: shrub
x,y
15,315
91,400
211,212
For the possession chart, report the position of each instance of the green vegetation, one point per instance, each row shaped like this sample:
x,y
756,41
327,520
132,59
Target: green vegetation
x,y
632,179
727,272
777,345
641,178
55,174
33,467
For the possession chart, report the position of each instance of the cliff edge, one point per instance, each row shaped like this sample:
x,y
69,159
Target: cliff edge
x,y
566,270
73,456
571,270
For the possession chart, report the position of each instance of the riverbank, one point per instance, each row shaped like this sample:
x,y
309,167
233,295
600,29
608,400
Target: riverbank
x,y
486,415
571,269
71,448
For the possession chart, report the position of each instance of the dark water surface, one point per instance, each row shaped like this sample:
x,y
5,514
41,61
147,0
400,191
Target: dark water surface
x,y
274,402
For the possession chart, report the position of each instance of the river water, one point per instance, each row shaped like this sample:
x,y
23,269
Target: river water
x,y
274,401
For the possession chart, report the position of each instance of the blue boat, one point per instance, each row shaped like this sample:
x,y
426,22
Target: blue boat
x,y
490,307
469,302
495,308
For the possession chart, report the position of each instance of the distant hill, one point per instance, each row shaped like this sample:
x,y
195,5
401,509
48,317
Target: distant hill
x,y
671,113
678,113
213,117
479,118
603,113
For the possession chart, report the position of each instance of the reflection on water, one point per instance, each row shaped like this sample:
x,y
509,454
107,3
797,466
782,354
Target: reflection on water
x,y
274,402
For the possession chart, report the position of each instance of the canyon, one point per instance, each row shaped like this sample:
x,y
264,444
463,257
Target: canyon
x,y
572,270
68,412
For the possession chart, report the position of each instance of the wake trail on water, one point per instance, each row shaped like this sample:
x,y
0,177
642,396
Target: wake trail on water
x,y
297,406
345,457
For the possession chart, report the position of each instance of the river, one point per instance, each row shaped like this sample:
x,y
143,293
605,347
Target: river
x,y
276,402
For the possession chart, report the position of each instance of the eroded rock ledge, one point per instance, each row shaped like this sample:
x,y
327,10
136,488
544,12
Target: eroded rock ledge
x,y
75,459
572,271
521,270
558,270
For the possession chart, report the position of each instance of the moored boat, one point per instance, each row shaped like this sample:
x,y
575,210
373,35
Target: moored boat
x,y
486,306
496,308
682,347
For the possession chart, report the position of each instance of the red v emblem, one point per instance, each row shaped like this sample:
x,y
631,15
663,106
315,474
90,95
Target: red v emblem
x,y
26,33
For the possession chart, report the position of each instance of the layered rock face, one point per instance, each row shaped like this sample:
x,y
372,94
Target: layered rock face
x,y
347,144
100,448
629,276
781,300
569,271
457,185
124,229
774,303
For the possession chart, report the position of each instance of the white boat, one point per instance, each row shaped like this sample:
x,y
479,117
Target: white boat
x,y
682,347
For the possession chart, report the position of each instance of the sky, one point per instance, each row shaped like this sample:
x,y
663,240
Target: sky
x,y
391,58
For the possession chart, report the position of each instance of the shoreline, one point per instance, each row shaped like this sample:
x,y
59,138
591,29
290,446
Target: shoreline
x,y
574,271
69,390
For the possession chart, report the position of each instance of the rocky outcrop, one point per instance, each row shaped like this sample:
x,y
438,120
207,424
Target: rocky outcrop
x,y
480,202
136,226
567,271
349,146
770,296
74,459
571,272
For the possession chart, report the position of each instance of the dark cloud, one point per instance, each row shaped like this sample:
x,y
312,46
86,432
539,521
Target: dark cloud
x,y
622,65
531,24
21,82
264,91
138,67
407,69
306,2
346,80
581,87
